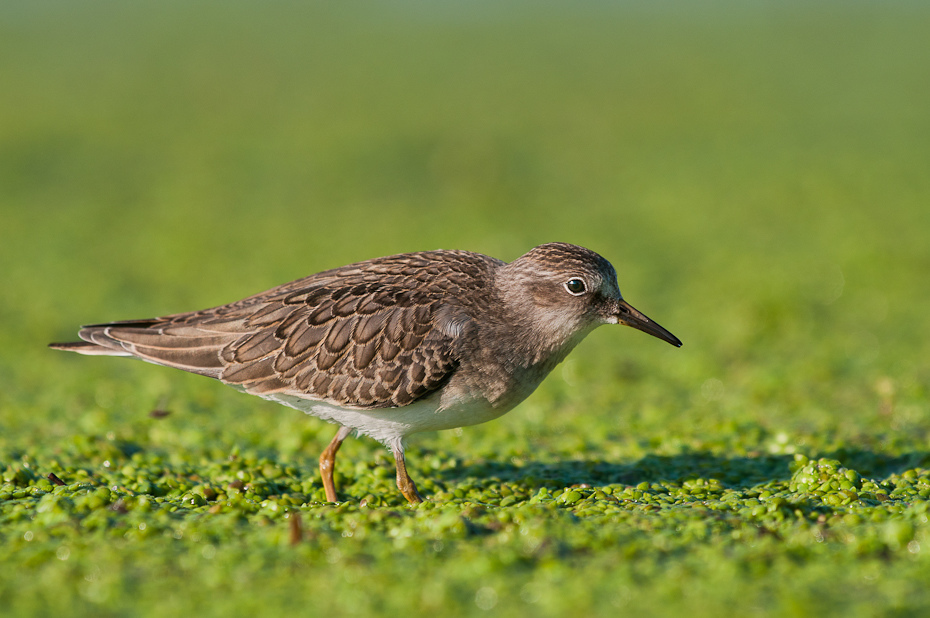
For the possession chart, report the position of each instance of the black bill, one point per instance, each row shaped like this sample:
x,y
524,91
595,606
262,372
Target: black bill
x,y
626,314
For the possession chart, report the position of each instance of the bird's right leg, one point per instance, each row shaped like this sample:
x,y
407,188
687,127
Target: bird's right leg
x,y
328,463
404,483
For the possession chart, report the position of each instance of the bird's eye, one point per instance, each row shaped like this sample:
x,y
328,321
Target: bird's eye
x,y
575,287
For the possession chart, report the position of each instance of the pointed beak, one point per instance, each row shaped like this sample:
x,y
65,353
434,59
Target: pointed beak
x,y
626,314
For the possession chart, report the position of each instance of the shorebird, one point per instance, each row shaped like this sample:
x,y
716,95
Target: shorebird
x,y
395,345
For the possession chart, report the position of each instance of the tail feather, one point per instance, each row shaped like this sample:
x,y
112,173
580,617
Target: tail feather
x,y
157,341
88,348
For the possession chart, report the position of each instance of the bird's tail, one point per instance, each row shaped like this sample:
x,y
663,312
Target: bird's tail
x,y
88,348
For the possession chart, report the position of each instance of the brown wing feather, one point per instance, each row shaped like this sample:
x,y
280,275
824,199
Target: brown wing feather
x,y
370,335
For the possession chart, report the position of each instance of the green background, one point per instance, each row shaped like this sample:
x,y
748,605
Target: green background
x,y
757,173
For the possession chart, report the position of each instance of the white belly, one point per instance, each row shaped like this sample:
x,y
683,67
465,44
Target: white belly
x,y
391,425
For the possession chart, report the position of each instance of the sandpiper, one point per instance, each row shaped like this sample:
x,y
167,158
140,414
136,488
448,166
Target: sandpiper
x,y
392,346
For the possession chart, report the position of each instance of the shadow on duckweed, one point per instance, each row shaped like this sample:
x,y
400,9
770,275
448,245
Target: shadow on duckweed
x,y
733,471
741,472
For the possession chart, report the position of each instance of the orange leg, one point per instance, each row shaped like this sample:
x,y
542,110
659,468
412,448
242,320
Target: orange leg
x,y
404,483
328,463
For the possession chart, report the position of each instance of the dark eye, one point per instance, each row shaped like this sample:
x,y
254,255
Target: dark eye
x,y
575,287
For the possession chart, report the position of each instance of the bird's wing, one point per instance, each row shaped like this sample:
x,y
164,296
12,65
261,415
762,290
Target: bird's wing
x,y
356,339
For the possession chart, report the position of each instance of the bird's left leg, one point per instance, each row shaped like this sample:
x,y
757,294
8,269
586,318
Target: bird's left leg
x,y
328,463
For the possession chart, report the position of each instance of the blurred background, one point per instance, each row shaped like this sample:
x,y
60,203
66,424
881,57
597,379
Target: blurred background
x,y
756,171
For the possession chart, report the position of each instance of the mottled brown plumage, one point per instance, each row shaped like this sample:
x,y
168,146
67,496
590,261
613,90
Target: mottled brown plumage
x,y
372,335
393,345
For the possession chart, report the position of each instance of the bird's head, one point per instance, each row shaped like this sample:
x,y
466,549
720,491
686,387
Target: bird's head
x,y
563,292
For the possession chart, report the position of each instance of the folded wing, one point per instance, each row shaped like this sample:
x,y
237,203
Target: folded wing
x,y
365,345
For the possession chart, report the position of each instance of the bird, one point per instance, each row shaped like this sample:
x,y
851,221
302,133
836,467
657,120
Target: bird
x,y
392,346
